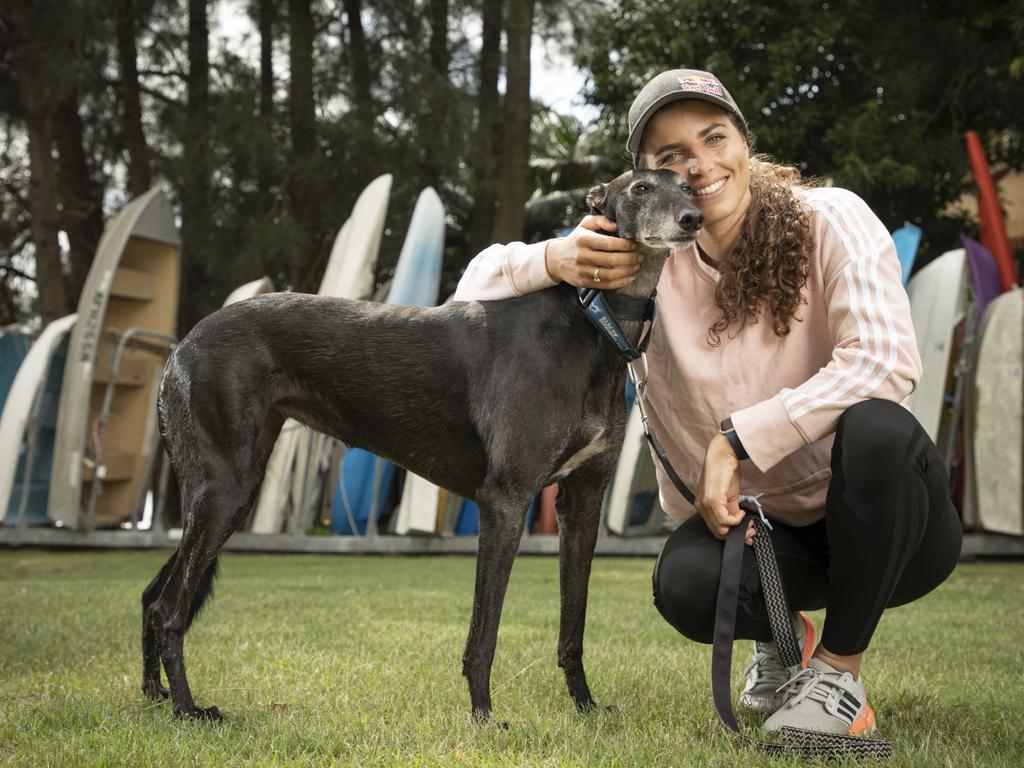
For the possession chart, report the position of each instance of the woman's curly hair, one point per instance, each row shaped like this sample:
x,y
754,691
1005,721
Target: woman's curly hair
x,y
770,262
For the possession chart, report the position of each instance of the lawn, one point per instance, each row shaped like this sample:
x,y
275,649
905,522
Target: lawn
x,y
349,660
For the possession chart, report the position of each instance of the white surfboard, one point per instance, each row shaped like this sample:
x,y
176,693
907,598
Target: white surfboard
x,y
938,299
133,282
248,290
17,410
635,477
416,282
349,274
993,497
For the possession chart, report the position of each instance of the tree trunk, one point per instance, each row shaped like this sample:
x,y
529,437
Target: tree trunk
x,y
302,117
264,163
81,199
195,217
515,170
433,128
54,301
131,117
484,167
266,24
362,101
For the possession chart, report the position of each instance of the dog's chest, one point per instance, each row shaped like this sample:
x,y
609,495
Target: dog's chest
x,y
596,444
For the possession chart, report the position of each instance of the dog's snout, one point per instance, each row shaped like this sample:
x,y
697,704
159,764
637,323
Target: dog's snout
x,y
691,221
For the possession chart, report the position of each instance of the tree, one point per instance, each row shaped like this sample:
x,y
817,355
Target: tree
x,y
515,170
486,141
302,120
131,105
195,199
28,43
830,88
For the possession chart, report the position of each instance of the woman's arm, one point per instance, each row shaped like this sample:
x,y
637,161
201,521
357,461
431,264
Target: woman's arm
x,y
874,348
507,271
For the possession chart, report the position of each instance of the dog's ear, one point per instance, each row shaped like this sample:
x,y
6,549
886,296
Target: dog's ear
x,y
596,198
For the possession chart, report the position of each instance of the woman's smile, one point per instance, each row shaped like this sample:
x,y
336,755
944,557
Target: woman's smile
x,y
709,191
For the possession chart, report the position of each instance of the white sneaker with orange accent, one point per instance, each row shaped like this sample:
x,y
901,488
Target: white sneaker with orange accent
x,y
767,674
823,699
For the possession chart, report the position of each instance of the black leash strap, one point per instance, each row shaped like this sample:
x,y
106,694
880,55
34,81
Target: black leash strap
x,y
792,740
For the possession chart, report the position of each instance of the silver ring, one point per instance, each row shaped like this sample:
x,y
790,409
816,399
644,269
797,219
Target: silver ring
x,y
597,278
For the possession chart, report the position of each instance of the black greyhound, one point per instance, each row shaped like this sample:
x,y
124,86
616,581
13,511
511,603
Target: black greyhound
x,y
492,400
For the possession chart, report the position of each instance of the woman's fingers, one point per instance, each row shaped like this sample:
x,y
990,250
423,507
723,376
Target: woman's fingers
x,y
607,278
599,223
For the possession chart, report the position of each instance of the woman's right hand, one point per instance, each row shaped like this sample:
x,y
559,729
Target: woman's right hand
x,y
589,258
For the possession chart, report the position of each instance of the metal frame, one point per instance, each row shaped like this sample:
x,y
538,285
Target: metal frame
x,y
975,544
88,522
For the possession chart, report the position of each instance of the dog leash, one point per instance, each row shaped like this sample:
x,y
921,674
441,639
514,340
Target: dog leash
x,y
793,740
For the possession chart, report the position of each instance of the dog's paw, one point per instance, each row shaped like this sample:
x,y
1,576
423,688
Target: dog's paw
x,y
155,691
586,706
199,713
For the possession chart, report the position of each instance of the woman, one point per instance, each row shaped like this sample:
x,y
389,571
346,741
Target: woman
x,y
783,350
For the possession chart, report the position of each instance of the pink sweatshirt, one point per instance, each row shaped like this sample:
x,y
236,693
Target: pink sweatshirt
x,y
854,340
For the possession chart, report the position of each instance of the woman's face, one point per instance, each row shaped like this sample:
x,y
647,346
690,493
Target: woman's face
x,y
699,141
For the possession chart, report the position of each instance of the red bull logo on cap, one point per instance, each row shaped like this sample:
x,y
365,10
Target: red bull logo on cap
x,y
702,84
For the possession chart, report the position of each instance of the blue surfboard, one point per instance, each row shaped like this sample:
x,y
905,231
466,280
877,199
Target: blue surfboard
x,y
44,420
14,344
907,238
364,480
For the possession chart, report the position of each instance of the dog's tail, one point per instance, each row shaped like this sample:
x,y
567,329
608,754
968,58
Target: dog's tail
x,y
204,591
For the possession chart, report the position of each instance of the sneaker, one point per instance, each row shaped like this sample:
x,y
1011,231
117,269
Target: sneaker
x,y
767,674
823,699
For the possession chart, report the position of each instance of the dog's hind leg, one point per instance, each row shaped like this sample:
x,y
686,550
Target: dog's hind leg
x,y
151,685
501,526
578,506
220,485
188,583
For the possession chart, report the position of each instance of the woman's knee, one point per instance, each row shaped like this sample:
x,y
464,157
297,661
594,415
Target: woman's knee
x,y
877,443
685,582
876,428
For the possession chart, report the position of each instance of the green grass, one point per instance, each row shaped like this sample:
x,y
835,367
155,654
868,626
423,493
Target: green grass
x,y
319,660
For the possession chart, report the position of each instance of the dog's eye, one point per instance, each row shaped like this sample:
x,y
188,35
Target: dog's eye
x,y
687,189
640,188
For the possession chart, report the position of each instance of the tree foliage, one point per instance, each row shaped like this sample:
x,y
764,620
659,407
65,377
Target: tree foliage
x,y
874,96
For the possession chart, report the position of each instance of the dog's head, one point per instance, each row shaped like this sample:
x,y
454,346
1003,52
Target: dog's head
x,y
653,207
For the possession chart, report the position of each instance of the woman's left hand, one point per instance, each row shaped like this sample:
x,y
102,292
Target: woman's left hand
x,y
718,490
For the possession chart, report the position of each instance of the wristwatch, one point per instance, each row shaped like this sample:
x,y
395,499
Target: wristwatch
x,y
729,431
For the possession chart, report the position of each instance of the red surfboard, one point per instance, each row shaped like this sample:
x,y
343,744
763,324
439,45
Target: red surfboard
x,y
990,215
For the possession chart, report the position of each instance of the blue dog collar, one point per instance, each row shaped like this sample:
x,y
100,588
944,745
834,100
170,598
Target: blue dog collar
x,y
604,320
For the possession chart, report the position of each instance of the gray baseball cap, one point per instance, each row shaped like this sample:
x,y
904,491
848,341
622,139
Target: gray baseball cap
x,y
675,85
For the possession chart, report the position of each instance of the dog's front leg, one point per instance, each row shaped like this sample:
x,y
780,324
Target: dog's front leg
x,y
579,516
501,526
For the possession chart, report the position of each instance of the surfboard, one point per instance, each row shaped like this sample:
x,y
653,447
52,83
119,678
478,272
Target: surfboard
x,y
994,420
133,283
26,426
990,215
907,238
248,290
938,299
349,274
14,345
364,480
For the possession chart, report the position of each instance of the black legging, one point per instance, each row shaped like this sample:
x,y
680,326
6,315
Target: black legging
x,y
890,535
